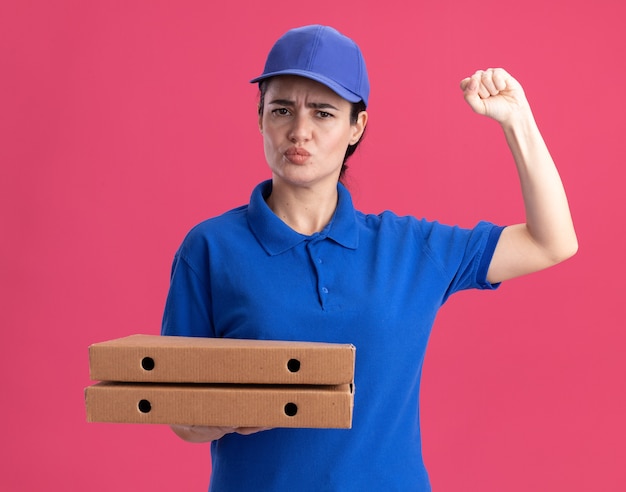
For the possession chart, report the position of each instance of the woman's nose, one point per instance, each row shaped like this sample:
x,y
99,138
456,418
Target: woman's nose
x,y
300,129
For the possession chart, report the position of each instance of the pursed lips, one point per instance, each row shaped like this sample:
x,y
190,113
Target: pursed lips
x,y
296,155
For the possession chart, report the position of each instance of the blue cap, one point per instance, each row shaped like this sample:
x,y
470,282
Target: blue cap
x,y
323,54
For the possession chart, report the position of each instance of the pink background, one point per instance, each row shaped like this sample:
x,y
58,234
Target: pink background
x,y
124,123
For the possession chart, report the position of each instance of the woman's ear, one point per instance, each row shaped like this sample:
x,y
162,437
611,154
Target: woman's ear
x,y
359,127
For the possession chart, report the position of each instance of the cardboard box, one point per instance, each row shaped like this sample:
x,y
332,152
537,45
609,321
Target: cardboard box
x,y
221,405
153,358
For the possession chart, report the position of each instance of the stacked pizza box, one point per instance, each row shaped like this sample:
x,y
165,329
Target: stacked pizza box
x,y
221,382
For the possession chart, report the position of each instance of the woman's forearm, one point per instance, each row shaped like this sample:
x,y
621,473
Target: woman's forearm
x,y
548,219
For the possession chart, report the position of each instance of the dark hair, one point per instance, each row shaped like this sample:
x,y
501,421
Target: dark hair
x,y
355,110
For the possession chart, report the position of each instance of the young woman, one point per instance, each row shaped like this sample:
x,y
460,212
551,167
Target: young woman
x,y
300,263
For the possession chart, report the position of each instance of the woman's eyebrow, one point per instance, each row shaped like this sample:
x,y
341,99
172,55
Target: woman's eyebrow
x,y
314,105
282,102
322,106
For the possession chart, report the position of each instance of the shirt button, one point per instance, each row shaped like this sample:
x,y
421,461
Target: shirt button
x,y
324,290
319,260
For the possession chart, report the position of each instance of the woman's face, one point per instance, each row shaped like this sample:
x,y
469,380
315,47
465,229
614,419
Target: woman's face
x,y
306,130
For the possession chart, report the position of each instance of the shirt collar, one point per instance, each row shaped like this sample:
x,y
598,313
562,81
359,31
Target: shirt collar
x,y
277,237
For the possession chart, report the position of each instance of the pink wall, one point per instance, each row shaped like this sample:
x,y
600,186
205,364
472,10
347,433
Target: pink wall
x,y
123,123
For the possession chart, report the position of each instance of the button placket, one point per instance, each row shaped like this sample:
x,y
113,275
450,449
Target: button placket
x,y
318,262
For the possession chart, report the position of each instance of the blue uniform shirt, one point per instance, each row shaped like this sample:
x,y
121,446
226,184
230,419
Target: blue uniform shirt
x,y
375,281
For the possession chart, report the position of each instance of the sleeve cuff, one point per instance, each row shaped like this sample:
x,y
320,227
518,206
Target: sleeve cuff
x,y
485,261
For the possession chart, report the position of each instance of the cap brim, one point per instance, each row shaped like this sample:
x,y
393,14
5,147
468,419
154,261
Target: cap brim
x,y
331,84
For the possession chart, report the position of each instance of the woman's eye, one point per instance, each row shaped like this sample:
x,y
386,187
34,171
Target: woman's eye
x,y
280,111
